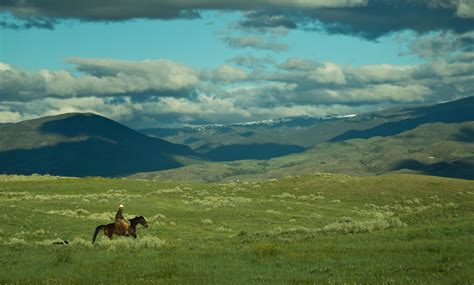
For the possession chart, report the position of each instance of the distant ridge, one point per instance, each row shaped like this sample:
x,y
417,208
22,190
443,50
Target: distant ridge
x,y
458,111
82,144
437,149
289,135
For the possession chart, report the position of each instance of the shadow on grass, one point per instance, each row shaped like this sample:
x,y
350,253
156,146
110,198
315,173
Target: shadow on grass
x,y
91,157
457,169
466,135
251,151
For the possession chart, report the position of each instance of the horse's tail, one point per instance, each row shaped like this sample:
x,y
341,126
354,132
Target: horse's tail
x,y
97,230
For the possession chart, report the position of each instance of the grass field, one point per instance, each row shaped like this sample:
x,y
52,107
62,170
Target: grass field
x,y
394,229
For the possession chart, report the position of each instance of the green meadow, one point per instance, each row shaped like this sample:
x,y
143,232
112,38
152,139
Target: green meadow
x,y
314,229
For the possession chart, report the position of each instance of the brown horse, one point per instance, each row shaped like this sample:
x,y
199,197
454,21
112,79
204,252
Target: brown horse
x,y
110,230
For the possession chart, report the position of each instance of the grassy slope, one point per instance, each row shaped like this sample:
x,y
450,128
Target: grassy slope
x,y
427,144
310,229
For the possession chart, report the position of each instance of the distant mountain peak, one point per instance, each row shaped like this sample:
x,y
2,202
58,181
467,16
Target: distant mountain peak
x,y
81,144
89,124
63,116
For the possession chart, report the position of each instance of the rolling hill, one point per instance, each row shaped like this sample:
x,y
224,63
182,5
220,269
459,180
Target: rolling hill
x,y
83,145
438,149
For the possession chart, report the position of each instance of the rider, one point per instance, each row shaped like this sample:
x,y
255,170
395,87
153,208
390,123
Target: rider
x,y
121,223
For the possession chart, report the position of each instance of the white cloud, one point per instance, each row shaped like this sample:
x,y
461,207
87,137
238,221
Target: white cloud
x,y
224,73
441,45
442,69
153,74
328,73
384,92
10,117
299,64
256,43
100,78
4,66
465,8
379,73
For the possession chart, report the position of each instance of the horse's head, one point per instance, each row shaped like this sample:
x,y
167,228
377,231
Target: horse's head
x,y
142,221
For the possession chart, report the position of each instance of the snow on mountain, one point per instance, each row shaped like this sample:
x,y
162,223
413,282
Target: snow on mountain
x,y
293,121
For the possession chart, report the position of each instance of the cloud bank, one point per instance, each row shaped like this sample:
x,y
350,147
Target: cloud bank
x,y
161,92
105,10
99,77
365,18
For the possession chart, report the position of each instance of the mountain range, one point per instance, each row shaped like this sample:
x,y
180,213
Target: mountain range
x,y
273,138
433,139
438,149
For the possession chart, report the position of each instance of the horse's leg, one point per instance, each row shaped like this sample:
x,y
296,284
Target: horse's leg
x,y
133,232
110,233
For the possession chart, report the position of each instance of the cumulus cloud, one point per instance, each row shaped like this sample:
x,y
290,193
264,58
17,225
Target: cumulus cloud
x,y
442,44
299,64
379,93
465,57
252,62
299,81
256,43
10,117
283,94
464,8
158,74
379,73
99,77
121,110
308,73
328,73
4,66
443,70
224,73
206,109
264,95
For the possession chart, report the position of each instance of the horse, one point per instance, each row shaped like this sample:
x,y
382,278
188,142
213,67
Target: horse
x,y
110,230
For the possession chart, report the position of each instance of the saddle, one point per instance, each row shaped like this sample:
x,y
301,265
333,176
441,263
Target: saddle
x,y
122,227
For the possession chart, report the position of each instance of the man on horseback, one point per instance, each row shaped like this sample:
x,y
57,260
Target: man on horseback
x,y
121,223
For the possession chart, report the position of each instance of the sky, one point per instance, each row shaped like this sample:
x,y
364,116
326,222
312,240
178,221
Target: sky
x,y
163,63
